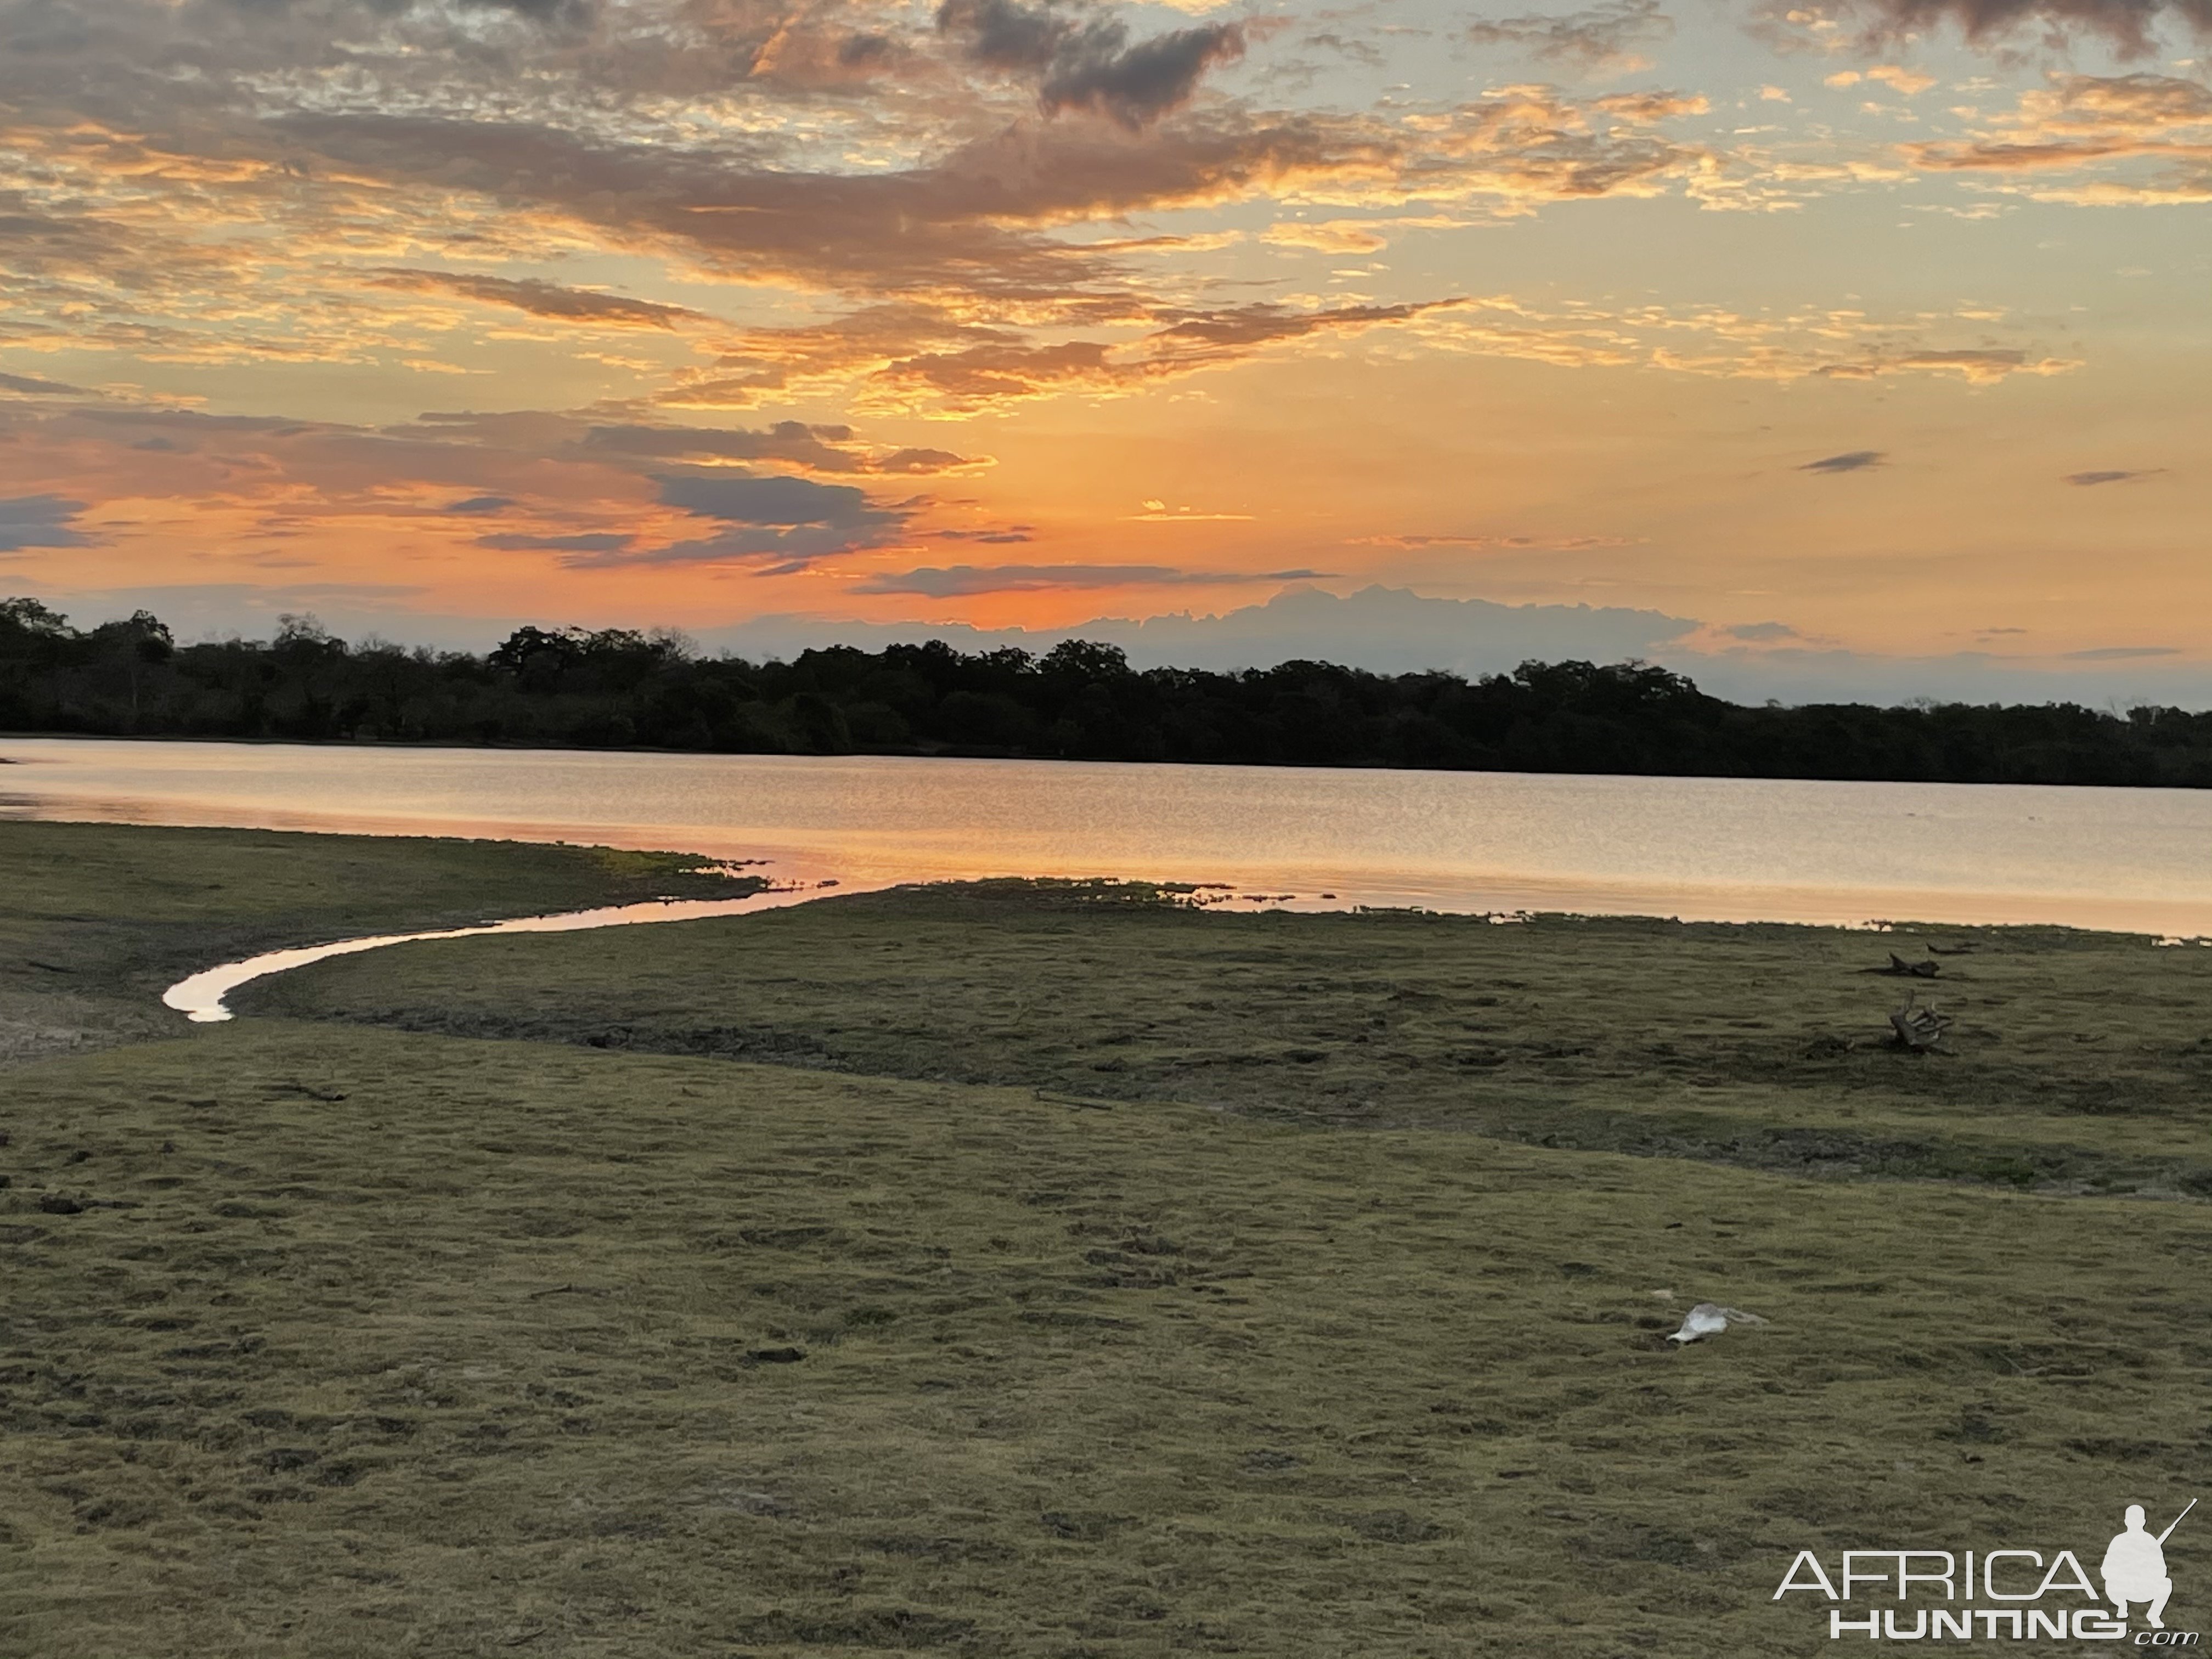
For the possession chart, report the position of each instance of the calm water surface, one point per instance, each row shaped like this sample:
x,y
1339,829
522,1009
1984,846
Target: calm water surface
x,y
1721,849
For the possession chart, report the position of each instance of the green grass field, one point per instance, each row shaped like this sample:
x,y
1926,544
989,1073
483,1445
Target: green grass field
x,y
1049,1271
2080,1062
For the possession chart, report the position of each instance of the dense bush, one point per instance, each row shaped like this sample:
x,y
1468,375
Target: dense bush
x,y
1081,701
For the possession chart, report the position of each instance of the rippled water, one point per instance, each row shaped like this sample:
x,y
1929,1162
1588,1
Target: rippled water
x,y
1702,847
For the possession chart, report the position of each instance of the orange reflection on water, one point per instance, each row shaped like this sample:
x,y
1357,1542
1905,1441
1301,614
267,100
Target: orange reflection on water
x,y
1721,849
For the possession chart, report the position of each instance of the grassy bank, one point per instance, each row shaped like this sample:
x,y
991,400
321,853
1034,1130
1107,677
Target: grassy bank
x,y
2079,1061
943,1331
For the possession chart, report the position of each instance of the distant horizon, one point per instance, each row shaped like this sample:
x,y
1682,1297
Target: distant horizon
x,y
1376,629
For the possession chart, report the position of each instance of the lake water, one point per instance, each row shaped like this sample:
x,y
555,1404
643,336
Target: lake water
x,y
1721,849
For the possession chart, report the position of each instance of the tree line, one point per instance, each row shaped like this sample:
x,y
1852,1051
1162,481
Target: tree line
x,y
617,688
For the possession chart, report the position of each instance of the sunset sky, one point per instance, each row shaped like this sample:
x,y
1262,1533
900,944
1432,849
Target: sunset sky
x,y
1861,349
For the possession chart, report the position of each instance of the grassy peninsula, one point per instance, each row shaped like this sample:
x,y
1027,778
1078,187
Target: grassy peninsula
x,y
1056,1271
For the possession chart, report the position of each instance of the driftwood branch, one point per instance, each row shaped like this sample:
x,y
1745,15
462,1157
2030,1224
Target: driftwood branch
x,y
1919,1029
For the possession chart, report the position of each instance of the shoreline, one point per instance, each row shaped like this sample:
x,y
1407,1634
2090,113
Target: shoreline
x,y
202,997
1236,894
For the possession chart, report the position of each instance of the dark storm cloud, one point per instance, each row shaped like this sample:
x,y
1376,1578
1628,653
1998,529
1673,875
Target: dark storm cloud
x,y
480,504
773,501
1139,85
775,525
40,521
1089,63
2130,26
2085,480
1004,34
1856,460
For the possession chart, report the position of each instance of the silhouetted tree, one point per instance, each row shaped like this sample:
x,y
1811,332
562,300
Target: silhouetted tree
x,y
613,687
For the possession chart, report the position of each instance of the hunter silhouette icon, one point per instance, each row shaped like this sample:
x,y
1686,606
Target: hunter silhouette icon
x,y
2135,1566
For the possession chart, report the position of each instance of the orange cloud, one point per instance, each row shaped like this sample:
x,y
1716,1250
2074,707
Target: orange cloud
x,y
2082,122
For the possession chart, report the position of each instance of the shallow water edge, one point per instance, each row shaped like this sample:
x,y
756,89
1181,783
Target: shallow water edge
x,y
200,998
